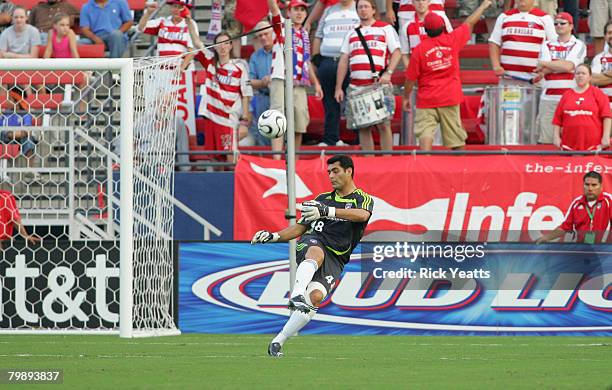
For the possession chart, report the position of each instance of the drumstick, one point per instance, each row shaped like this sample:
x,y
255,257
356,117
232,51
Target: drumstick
x,y
519,78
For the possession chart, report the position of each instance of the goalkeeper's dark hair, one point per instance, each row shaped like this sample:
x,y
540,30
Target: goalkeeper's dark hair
x,y
593,175
345,162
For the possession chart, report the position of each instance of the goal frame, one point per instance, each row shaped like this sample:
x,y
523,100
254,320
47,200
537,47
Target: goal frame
x,y
125,68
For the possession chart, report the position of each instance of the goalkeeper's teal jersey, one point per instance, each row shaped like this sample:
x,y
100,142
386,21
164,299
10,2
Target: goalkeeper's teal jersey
x,y
338,235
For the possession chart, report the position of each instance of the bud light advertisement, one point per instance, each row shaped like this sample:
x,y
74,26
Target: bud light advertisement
x,y
406,288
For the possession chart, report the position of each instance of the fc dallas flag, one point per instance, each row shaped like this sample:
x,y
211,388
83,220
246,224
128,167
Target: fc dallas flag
x,y
249,12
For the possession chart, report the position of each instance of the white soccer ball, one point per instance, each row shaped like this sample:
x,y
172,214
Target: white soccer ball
x,y
272,124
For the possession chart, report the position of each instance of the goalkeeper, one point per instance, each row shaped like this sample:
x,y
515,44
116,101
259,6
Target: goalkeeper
x,y
331,227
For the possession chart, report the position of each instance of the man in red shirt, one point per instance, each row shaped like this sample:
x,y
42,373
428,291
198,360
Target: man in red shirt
x,y
434,66
589,216
9,217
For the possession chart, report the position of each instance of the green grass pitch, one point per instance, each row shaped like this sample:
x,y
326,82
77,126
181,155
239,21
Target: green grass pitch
x,y
316,362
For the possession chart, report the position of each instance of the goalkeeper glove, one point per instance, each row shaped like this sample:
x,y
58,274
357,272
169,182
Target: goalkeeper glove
x,y
264,236
313,210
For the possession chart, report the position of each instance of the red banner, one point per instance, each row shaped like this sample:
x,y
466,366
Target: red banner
x,y
472,198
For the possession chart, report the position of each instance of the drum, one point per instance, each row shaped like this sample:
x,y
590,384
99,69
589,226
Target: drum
x,y
512,112
369,106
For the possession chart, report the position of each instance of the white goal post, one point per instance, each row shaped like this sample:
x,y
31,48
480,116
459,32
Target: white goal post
x,y
100,198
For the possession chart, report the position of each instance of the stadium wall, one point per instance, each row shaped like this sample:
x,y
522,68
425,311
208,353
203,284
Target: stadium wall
x,y
210,195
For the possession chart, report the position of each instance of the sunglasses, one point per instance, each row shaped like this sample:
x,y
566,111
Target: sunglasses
x,y
561,23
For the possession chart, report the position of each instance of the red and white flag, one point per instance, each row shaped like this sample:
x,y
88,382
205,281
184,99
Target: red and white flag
x,y
250,12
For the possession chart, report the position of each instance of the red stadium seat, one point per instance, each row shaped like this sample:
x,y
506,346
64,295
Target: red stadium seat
x,y
85,51
246,51
451,4
9,151
136,5
37,101
479,50
478,77
42,77
468,77
91,51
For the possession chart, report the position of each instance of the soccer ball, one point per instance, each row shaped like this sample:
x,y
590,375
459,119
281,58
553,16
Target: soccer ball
x,y
272,124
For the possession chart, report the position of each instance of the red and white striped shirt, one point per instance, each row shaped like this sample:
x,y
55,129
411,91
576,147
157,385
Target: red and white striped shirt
x,y
603,63
555,84
521,36
414,33
407,12
382,40
224,88
172,39
301,52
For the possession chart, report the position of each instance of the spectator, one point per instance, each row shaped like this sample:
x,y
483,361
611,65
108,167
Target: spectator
x,y
383,44
303,74
106,22
414,32
10,219
589,216
63,42
602,65
406,11
41,16
228,89
173,37
6,14
260,69
19,40
21,137
466,7
600,13
556,65
337,21
582,120
434,66
517,39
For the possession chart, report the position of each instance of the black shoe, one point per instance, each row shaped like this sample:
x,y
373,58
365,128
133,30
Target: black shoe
x,y
299,303
274,350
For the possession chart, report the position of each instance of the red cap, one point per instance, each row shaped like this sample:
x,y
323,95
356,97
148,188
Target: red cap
x,y
565,16
298,3
186,3
433,21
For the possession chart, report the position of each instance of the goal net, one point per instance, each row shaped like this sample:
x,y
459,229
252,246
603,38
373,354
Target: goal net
x,y
86,201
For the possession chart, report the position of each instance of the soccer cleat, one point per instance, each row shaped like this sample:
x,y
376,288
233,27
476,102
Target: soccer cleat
x,y
299,303
274,350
